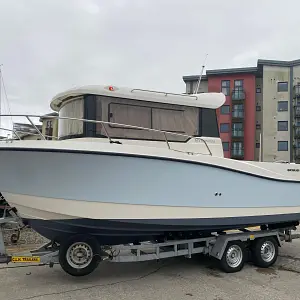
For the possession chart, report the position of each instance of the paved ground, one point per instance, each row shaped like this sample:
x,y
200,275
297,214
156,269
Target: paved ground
x,y
174,279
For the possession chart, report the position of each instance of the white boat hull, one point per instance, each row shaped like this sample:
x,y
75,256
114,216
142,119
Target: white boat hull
x,y
124,197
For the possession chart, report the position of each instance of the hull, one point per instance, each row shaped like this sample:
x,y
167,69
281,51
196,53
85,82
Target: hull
x,y
114,232
135,223
122,197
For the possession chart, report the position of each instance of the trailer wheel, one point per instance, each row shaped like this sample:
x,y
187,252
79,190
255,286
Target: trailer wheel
x,y
14,238
79,256
264,252
233,258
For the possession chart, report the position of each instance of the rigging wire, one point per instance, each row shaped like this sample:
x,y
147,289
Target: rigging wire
x,y
3,87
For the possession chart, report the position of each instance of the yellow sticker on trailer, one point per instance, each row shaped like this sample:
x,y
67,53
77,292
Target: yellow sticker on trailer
x,y
26,259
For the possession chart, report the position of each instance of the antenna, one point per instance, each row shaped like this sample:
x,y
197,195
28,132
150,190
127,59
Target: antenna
x,y
199,80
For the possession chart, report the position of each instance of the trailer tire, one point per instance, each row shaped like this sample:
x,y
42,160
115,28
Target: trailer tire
x,y
79,255
264,251
233,258
14,238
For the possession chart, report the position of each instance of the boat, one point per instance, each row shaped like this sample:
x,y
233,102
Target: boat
x,y
133,165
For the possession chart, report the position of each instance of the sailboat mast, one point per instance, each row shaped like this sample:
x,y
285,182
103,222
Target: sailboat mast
x,y
199,80
0,95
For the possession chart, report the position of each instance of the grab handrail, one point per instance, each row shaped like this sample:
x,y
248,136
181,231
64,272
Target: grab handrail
x,y
164,132
164,93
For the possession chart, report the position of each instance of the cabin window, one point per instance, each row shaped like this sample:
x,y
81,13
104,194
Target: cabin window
x,y
174,118
134,115
160,116
69,128
209,123
168,120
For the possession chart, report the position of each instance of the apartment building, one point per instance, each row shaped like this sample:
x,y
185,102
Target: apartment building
x,y
26,131
48,128
261,115
236,118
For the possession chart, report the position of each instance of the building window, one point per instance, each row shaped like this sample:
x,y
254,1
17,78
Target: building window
x,y
282,146
49,124
237,126
282,86
237,149
282,126
258,126
238,111
49,130
258,90
225,87
225,146
237,130
224,127
237,145
238,83
225,109
283,105
189,87
258,108
257,145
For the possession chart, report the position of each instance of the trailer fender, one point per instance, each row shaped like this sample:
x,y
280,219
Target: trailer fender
x,y
218,248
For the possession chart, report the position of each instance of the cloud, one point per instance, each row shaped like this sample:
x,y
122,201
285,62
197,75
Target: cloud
x,y
49,46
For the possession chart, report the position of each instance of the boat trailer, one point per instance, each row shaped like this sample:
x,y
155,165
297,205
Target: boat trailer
x,y
80,255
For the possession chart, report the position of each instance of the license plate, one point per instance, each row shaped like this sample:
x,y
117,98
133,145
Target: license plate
x,y
26,259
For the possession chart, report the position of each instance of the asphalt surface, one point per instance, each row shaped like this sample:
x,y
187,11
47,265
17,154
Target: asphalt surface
x,y
176,279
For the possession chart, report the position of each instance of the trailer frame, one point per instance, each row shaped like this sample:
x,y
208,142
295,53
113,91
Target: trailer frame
x,y
214,245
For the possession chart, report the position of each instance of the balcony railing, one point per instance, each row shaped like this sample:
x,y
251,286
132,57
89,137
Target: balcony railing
x,y
297,153
297,111
297,91
238,95
297,133
237,133
238,114
237,152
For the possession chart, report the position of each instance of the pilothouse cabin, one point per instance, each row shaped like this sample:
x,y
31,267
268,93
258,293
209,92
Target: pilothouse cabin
x,y
193,115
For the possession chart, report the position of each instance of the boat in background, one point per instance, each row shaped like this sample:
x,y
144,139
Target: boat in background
x,y
134,165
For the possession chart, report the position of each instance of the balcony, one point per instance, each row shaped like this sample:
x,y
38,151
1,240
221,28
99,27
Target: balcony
x,y
296,125
297,153
297,133
237,114
238,95
297,91
297,111
237,153
237,134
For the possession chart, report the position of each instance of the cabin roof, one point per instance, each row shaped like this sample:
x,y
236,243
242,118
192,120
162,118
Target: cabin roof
x,y
207,100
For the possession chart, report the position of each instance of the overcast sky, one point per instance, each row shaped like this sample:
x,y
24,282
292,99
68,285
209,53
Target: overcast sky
x,y
47,46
